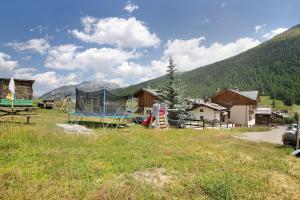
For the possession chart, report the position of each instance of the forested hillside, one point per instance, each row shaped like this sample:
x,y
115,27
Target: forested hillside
x,y
273,68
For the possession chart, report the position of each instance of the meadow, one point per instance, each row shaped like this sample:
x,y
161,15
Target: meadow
x,y
39,161
279,105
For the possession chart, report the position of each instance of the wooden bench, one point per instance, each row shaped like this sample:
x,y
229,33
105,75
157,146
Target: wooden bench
x,y
21,107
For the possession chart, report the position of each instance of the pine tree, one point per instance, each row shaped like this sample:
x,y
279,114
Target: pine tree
x,y
172,88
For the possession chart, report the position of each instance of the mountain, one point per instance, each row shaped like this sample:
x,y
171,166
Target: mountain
x,y
272,67
70,89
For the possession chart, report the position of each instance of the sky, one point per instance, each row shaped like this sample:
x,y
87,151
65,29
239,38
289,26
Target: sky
x,y
62,42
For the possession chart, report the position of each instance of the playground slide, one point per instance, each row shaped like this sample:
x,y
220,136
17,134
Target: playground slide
x,y
147,121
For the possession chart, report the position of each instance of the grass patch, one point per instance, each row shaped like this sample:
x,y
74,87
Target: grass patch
x,y
39,161
279,105
254,129
219,188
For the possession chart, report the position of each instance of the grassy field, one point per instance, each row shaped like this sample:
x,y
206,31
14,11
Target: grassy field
x,y
279,105
39,161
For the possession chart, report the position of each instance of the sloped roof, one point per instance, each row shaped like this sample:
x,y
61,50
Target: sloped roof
x,y
253,95
213,106
17,80
154,92
264,111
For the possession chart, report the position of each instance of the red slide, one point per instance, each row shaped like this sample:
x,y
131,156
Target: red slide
x,y
147,121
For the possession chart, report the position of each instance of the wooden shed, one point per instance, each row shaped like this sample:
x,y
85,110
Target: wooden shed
x,y
263,115
146,98
23,88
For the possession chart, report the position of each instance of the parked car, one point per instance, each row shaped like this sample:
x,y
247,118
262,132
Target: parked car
x,y
289,136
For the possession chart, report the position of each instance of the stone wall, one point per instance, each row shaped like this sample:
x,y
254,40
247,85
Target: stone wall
x,y
23,88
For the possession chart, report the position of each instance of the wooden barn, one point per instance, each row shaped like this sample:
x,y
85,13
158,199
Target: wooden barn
x,y
241,104
146,98
23,88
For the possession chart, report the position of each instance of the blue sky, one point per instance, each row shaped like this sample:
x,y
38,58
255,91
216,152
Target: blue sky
x,y
62,42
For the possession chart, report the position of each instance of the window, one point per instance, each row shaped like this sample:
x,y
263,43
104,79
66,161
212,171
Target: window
x,y
201,110
148,112
201,118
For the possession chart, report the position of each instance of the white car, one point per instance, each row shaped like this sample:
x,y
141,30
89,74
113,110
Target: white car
x,y
289,136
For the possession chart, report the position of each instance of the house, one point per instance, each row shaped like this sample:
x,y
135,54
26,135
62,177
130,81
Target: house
x,y
263,115
209,111
146,98
23,88
241,105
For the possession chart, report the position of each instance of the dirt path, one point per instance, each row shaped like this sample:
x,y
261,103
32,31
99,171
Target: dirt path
x,y
274,136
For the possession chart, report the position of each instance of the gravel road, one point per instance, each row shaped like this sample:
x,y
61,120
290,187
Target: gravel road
x,y
274,136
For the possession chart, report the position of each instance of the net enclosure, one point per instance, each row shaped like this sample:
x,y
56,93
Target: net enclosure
x,y
100,103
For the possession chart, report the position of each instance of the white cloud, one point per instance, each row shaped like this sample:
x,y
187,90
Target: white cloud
x,y
260,28
36,45
189,54
207,20
6,64
274,32
67,57
62,57
116,31
45,81
223,4
130,7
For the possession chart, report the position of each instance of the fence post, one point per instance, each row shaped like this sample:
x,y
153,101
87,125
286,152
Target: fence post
x,y
203,124
297,134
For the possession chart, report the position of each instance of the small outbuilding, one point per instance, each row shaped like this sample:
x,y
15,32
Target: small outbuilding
x,y
146,98
23,88
263,115
209,111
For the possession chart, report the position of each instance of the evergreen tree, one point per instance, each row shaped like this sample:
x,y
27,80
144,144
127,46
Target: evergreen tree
x,y
172,88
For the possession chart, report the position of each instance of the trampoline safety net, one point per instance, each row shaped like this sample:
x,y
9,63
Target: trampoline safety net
x,y
100,103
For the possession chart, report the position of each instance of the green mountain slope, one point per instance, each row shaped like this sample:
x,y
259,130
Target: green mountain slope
x,y
273,68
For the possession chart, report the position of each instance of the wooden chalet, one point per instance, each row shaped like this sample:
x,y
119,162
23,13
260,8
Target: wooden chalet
x,y
23,88
146,98
241,104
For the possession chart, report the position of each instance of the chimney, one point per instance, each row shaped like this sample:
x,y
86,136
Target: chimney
x,y
236,88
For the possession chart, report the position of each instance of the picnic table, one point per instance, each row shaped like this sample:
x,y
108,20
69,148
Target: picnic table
x,y
21,108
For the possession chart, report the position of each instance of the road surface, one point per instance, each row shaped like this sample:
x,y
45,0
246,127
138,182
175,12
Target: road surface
x,y
273,136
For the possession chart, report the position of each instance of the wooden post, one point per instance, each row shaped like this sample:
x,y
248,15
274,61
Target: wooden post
x,y
203,124
151,120
297,135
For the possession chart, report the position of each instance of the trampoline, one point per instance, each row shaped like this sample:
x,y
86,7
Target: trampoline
x,y
101,104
